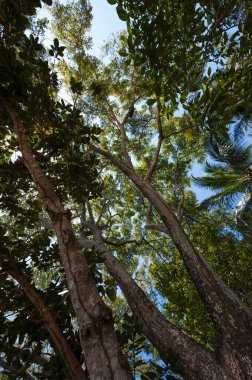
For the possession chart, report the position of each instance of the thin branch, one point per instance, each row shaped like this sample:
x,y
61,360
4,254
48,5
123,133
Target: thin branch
x,y
90,212
177,132
10,370
123,135
111,157
153,165
180,207
73,366
102,211
121,243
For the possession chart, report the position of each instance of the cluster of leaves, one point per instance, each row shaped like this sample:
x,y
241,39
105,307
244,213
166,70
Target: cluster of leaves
x,y
171,44
58,134
194,53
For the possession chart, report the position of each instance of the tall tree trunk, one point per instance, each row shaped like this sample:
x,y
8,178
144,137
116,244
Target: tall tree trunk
x,y
103,356
231,318
72,364
194,360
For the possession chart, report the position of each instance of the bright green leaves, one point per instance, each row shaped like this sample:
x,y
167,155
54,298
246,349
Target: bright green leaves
x,y
172,44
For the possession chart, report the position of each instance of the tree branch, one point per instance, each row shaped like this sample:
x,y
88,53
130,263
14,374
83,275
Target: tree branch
x,y
124,137
162,334
73,366
10,370
153,165
157,227
89,308
121,243
111,157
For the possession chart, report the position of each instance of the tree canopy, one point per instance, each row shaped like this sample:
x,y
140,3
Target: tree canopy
x,y
110,266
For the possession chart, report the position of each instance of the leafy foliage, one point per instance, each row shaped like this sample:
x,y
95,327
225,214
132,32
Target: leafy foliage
x,y
182,76
232,174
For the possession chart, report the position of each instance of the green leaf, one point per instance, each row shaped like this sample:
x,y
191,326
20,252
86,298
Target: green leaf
x,y
112,2
150,102
123,53
122,13
56,43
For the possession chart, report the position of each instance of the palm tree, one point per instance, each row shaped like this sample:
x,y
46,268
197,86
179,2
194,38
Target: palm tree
x,y
230,176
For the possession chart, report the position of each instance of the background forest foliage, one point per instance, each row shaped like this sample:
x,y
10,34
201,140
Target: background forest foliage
x,y
172,91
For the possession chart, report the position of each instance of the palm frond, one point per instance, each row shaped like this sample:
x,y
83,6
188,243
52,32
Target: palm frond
x,y
234,154
230,175
243,125
223,198
221,178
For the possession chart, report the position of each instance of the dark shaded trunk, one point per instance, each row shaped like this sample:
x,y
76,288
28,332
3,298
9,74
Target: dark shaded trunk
x,y
73,366
232,319
191,358
103,356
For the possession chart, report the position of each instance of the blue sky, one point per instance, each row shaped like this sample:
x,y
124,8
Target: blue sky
x,y
105,22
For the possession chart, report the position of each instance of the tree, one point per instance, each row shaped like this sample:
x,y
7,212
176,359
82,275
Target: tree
x,y
231,176
27,77
105,206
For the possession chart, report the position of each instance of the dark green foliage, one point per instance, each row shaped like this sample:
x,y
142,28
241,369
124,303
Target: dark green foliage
x,y
187,57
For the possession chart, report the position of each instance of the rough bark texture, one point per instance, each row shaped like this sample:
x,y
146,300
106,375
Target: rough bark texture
x,y
72,365
231,318
103,356
194,360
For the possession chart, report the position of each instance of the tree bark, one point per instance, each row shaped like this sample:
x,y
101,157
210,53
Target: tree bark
x,y
103,356
189,357
72,364
232,319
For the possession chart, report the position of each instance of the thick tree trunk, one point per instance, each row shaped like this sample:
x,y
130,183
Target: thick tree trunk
x,y
194,360
231,318
103,356
72,365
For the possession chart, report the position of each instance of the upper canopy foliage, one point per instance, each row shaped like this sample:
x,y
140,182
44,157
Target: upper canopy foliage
x,y
181,75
